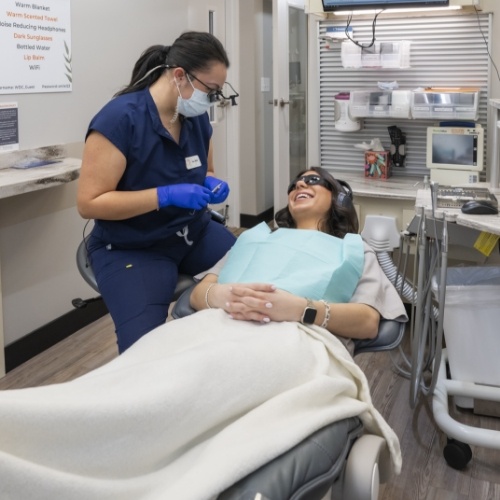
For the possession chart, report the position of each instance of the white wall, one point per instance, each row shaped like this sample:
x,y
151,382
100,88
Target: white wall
x,y
40,231
107,38
256,127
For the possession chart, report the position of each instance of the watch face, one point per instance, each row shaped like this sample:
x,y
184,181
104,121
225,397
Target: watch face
x,y
309,315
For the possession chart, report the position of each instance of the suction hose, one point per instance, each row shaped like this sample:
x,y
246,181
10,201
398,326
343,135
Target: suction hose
x,y
406,289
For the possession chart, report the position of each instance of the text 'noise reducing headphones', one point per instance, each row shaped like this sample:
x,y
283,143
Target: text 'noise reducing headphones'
x,y
344,198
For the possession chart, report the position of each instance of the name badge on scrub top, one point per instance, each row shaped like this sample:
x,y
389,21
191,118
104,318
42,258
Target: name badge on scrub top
x,y
193,162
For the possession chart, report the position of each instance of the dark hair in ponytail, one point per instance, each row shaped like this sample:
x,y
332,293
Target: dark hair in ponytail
x,y
192,51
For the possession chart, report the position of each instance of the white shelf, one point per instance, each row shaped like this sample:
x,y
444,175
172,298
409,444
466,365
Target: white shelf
x,y
15,181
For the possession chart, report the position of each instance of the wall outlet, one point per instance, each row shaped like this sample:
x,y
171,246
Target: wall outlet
x,y
265,84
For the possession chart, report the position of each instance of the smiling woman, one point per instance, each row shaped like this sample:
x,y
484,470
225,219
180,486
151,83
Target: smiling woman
x,y
339,216
314,268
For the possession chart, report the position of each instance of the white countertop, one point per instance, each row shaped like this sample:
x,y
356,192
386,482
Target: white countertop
x,y
486,223
15,181
395,188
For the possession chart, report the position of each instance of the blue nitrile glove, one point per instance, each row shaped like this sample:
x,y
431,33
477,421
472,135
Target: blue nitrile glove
x,y
191,196
219,189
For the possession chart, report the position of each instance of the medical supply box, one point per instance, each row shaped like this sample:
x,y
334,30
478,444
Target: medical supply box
x,y
385,54
381,103
446,103
471,319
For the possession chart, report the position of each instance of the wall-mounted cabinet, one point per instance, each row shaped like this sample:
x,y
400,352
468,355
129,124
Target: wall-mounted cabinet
x,y
433,103
446,104
381,103
394,55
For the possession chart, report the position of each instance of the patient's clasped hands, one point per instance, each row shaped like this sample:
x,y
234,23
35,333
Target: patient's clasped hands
x,y
260,302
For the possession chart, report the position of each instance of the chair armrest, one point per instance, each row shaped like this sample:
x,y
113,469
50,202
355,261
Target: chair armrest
x,y
368,465
390,334
185,283
83,264
182,306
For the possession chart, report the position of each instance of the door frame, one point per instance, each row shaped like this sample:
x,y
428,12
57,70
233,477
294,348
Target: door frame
x,y
281,99
197,10
233,118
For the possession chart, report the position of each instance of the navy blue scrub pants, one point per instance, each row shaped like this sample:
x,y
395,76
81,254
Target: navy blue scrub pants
x,y
137,285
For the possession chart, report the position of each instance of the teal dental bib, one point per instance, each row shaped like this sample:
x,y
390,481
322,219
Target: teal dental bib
x,y
304,262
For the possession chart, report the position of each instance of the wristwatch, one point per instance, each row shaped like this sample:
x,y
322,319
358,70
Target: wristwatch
x,y
309,314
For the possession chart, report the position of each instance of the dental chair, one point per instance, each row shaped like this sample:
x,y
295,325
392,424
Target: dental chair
x,y
338,461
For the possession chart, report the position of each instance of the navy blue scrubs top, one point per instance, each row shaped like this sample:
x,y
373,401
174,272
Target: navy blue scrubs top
x,y
132,123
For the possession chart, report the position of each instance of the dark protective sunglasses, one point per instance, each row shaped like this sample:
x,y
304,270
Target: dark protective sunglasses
x,y
216,95
310,180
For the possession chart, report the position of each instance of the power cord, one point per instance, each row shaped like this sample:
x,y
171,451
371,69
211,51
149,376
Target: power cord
x,y
374,23
486,42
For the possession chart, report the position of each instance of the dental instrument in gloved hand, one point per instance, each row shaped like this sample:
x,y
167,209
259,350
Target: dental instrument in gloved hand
x,y
191,196
218,188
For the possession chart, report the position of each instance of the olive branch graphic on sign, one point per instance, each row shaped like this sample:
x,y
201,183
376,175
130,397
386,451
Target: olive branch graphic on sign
x,y
67,63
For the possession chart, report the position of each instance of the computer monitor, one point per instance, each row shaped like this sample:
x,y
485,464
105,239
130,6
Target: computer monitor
x,y
455,154
333,5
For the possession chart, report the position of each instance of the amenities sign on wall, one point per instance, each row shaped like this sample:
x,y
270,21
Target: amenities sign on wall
x,y
36,46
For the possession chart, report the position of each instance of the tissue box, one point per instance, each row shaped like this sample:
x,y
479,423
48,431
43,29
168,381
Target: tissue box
x,y
378,164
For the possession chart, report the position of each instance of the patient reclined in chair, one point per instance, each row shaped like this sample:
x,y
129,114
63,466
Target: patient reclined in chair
x,y
200,403
325,458
188,411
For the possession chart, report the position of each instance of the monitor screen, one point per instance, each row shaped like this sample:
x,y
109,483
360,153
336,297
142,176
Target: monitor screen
x,y
455,148
332,5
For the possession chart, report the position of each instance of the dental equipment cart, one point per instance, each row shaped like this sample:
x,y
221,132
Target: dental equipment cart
x,y
471,318
466,311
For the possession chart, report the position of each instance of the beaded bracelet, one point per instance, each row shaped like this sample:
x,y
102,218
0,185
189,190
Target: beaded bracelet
x,y
206,295
327,314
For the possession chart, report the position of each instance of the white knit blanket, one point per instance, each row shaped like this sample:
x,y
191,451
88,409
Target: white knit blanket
x,y
190,409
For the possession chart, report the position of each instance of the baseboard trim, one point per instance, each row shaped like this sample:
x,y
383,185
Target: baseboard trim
x,y
50,334
248,221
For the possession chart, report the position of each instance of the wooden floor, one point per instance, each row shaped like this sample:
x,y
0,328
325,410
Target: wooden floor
x,y
425,473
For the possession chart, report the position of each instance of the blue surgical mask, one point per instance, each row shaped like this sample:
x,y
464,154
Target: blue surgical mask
x,y
196,105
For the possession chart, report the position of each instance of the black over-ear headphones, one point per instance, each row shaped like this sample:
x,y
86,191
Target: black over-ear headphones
x,y
344,197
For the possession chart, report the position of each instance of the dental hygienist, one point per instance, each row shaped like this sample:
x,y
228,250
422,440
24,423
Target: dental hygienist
x,y
147,178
